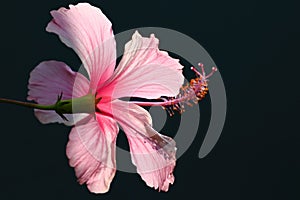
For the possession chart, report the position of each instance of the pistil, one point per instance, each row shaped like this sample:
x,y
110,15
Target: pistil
x,y
191,93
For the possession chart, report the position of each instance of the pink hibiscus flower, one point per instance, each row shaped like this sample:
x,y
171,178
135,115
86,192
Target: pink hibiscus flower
x,y
144,71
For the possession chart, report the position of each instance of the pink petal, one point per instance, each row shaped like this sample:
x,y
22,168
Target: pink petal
x,y
145,71
152,153
48,80
87,30
46,117
91,150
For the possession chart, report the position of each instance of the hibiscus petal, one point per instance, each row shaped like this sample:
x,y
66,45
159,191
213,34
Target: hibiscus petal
x,y
152,153
88,32
91,150
46,117
48,80
145,71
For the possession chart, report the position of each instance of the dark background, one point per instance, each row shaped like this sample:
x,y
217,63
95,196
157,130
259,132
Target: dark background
x,y
255,45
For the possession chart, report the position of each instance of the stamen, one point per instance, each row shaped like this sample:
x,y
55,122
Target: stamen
x,y
189,94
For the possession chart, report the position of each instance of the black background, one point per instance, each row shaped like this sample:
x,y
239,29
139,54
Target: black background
x,y
255,45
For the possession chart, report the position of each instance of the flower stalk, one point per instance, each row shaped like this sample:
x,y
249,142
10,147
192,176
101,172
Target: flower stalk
x,y
27,104
84,104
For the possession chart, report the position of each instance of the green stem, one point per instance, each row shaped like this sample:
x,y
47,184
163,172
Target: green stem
x,y
84,104
28,105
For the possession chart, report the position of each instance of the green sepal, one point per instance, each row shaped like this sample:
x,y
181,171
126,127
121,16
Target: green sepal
x,y
84,104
